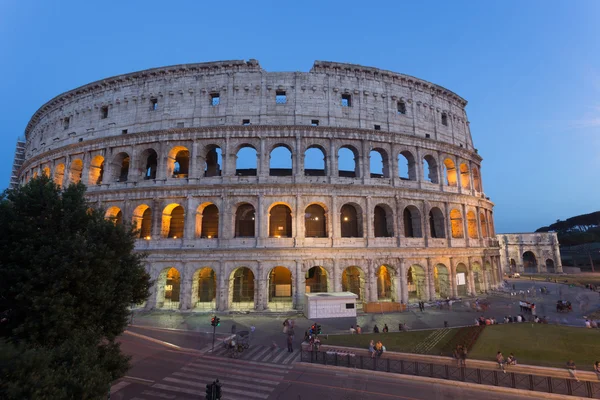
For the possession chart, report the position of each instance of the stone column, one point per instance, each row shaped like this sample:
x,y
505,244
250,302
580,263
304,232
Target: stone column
x,y
332,167
156,219
465,224
372,281
190,219
472,290
193,170
399,221
430,280
336,231
261,222
298,159
448,224
66,177
151,301
425,224
85,171
419,165
300,286
299,224
265,159
261,297
485,279
337,276
222,299
403,283
368,217
185,296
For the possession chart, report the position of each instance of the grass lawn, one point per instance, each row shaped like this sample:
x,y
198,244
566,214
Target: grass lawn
x,y
576,279
540,344
404,342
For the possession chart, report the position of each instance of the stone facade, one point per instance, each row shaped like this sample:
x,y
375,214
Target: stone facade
x,y
530,252
161,149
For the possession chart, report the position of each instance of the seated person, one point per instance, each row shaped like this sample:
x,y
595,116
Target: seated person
x,y
511,360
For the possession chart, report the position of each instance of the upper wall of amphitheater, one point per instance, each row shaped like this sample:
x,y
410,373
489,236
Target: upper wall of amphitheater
x,y
238,92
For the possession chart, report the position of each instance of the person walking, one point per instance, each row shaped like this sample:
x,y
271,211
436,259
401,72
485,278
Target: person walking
x,y
500,360
463,356
290,343
372,349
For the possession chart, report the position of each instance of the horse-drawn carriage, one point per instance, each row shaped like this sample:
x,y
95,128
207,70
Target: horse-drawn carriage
x,y
237,344
563,306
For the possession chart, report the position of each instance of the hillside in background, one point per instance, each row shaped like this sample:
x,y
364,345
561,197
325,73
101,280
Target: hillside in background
x,y
577,230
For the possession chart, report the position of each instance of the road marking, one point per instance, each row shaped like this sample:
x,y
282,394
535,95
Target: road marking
x,y
269,355
238,377
291,357
158,394
278,357
118,386
197,392
138,379
206,379
260,367
256,357
253,351
229,371
244,362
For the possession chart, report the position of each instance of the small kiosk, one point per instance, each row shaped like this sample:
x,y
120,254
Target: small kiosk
x,y
330,305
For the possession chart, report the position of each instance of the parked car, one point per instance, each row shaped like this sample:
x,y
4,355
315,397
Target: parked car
x,y
515,275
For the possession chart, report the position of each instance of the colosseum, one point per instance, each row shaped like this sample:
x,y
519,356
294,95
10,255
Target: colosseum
x,y
250,188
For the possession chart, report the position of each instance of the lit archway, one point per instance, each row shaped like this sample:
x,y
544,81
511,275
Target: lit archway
x,y
204,289
353,280
478,278
280,221
465,179
75,171
207,221
315,221
351,220
477,179
173,221
457,224
241,289
168,289
483,224
142,221
179,162
385,291
472,225
59,175
441,279
115,215
450,170
280,288
316,280
46,172
416,283
96,170
462,280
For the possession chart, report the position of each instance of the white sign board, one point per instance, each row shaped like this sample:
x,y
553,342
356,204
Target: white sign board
x,y
330,305
460,278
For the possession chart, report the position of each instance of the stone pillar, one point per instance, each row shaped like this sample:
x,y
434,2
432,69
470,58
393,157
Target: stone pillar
x,y
465,224
485,279
185,296
193,172
300,287
337,276
66,177
399,221
156,219
372,281
299,224
430,280
336,229
448,224
222,300
425,224
265,159
453,278
151,301
261,298
298,159
85,171
262,221
472,290
419,165
368,217
190,219
403,283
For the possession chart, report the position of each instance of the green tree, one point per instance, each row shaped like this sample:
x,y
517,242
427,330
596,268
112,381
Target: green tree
x,y
67,277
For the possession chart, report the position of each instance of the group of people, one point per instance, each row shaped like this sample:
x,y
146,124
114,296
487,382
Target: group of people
x,y
385,329
521,318
481,321
502,363
376,349
354,330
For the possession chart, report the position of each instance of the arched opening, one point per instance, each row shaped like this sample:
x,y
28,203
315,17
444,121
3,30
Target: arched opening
x,y
489,278
353,280
462,280
436,223
476,179
383,221
478,278
465,179
75,171
204,289
315,223
280,288
316,280
314,162
529,262
209,221
35,174
213,161
457,224
246,161
142,221
46,172
96,170
179,162
149,160
407,166
472,225
115,215
416,283
430,173
483,224
280,221
450,170
347,162
491,222
241,289
441,280
59,175
513,266
168,289
379,164
280,163
351,221
412,222
244,221
550,266
120,168
384,284
173,221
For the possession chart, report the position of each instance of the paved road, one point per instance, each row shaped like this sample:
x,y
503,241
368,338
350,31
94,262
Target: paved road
x,y
159,372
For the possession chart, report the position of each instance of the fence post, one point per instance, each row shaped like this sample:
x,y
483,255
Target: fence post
x,y
462,373
361,362
588,386
495,378
417,368
388,364
401,366
569,388
550,389
447,369
431,370
479,376
513,382
531,382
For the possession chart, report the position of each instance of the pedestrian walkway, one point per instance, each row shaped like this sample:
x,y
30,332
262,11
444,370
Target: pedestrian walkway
x,y
262,354
241,380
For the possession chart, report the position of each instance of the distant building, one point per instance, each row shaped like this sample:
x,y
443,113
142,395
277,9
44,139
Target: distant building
x,y
17,163
530,252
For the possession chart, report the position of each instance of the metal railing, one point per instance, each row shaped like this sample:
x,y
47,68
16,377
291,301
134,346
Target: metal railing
x,y
515,380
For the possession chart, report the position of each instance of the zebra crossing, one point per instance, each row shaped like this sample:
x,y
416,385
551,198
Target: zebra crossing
x,y
241,380
262,354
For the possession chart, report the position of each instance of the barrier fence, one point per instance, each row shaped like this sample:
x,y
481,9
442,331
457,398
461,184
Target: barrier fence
x,y
515,380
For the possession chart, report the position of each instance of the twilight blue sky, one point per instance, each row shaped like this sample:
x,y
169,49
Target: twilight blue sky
x,y
529,69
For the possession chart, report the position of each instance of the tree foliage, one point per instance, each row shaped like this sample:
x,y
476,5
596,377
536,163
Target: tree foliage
x,y
580,229
68,277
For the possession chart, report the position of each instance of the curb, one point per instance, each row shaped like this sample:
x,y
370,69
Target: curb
x,y
162,342
466,385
